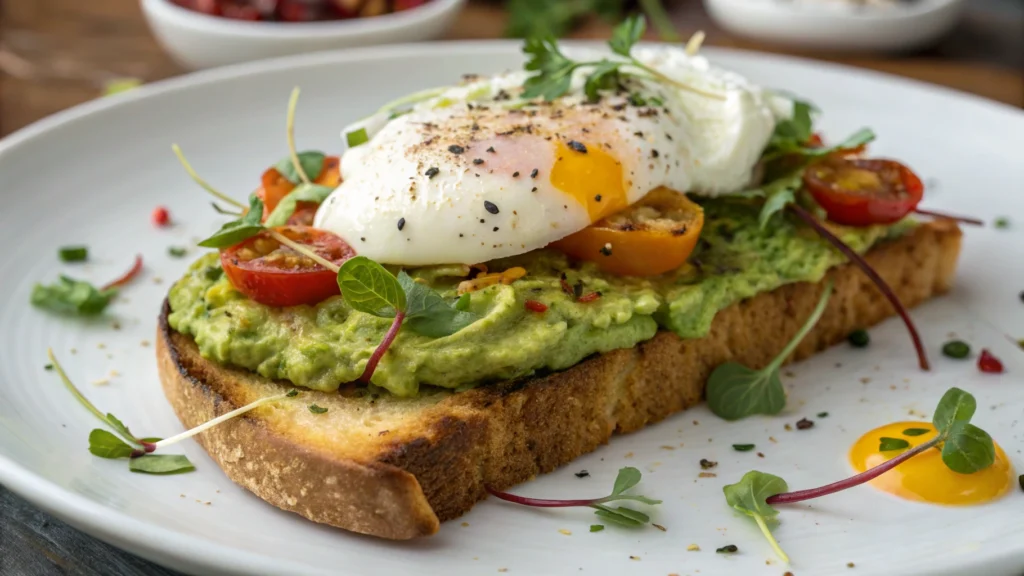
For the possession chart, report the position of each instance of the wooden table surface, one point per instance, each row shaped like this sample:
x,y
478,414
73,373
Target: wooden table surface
x,y
58,53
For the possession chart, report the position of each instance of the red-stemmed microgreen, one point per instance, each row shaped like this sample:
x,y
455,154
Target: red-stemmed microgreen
x,y
627,478
139,451
946,216
78,297
734,391
857,259
965,449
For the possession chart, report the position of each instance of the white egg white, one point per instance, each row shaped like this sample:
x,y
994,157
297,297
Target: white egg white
x,y
466,176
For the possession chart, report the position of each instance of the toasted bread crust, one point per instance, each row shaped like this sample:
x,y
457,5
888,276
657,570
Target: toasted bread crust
x,y
399,482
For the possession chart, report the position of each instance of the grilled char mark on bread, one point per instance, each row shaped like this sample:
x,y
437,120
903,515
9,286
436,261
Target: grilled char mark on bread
x,y
394,467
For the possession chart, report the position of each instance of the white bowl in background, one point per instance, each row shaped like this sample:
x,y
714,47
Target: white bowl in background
x,y
198,41
837,26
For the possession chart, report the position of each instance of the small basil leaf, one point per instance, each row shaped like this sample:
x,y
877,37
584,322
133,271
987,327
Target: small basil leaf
x,y
627,478
627,34
70,296
887,444
751,493
368,287
161,464
105,445
428,313
302,193
956,405
735,391
238,230
312,163
967,449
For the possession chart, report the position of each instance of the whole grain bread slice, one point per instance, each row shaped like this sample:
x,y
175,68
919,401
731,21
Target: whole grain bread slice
x,y
395,468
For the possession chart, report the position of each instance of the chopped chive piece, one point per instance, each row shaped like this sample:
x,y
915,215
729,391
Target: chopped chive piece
x,y
317,409
1002,222
743,447
599,527
859,338
357,137
956,349
822,414
177,251
48,367
73,253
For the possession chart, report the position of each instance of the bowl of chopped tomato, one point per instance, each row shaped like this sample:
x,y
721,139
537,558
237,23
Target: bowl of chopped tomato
x,y
207,33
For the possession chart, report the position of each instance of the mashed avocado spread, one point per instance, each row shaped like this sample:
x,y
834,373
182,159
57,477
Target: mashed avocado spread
x,y
324,346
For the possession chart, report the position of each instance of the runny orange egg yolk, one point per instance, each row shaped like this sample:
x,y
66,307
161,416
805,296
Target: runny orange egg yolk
x,y
593,178
924,478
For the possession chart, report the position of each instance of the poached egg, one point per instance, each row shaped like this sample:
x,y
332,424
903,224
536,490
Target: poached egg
x,y
474,173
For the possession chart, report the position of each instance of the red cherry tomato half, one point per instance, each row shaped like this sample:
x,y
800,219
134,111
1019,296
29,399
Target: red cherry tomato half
x,y
862,192
275,275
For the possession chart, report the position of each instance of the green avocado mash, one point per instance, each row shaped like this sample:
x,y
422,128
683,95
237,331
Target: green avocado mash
x,y
324,346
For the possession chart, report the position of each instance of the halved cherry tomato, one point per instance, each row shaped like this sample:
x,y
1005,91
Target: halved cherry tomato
x,y
862,192
649,238
275,187
275,275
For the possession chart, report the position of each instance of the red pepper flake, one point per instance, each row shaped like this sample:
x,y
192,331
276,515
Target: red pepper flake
x,y
566,287
589,297
128,276
535,306
989,364
160,217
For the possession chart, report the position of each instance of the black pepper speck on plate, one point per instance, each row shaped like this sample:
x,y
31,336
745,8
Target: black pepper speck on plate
x,y
491,207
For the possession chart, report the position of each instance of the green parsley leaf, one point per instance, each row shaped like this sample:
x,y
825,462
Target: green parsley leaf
x,y
312,163
70,296
627,34
955,406
967,448
887,444
317,409
743,447
604,77
73,253
368,287
301,193
238,230
534,18
357,137
916,431
427,313
105,445
554,69
735,391
161,464
599,527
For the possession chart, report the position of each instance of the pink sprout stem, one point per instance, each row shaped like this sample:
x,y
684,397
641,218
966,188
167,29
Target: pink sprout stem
x,y
371,366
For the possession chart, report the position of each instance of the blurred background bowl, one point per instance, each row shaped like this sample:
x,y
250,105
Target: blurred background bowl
x,y
196,40
838,26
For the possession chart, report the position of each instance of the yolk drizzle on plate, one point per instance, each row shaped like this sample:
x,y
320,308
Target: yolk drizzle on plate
x,y
594,179
924,478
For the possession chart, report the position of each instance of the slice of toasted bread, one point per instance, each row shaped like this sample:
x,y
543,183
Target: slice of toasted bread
x,y
395,467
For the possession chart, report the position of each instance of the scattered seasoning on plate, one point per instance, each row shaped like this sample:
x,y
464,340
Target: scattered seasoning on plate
x,y
478,161
859,338
804,424
822,414
988,363
760,454
727,549
534,172
706,464
582,474
596,527
693,548
956,349
456,149
432,171
787,427
48,367
659,527
743,447
73,253
177,251
160,216
491,150
401,223
1002,222
850,564
491,207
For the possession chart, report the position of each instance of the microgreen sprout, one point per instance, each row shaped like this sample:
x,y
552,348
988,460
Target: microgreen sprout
x,y
627,478
71,296
750,496
735,391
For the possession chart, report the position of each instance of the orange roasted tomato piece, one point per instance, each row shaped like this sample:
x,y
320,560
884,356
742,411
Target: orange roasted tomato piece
x,y
275,187
653,236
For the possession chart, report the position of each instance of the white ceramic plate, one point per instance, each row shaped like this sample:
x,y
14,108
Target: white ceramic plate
x,y
93,174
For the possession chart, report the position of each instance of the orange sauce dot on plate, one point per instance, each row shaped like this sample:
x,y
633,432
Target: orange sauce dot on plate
x,y
924,478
